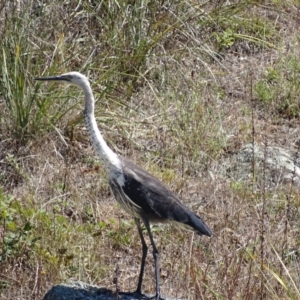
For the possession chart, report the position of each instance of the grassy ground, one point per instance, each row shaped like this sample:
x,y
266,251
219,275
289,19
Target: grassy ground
x,y
180,87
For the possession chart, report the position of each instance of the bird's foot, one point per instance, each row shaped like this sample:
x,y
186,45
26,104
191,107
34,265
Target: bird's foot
x,y
138,294
156,297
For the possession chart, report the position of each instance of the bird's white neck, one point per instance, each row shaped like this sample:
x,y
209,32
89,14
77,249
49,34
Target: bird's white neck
x,y
107,156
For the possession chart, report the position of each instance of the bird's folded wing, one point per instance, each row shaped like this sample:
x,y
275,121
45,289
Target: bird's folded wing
x,y
156,201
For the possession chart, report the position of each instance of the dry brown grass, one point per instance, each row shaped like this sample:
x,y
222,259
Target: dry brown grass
x,y
176,94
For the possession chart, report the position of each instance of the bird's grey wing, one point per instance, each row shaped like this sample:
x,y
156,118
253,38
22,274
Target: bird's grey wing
x,y
156,201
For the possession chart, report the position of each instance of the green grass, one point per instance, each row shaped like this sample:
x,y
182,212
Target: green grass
x,y
279,87
180,87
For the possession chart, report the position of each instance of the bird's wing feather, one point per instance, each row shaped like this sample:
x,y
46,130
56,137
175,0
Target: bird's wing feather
x,y
156,201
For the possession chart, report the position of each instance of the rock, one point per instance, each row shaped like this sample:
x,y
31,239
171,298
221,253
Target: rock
x,y
77,290
272,166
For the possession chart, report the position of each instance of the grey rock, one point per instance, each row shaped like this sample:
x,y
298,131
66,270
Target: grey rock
x,y
269,165
77,290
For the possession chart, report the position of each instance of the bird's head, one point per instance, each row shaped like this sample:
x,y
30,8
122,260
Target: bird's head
x,y
74,78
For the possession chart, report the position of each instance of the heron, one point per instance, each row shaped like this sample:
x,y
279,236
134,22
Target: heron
x,y
139,193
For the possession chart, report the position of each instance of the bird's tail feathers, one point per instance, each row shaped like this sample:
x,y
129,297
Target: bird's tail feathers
x,y
189,221
198,224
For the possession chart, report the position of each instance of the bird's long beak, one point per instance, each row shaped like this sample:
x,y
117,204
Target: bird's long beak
x,y
54,78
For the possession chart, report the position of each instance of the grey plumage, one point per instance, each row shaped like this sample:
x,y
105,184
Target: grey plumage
x,y
138,192
153,201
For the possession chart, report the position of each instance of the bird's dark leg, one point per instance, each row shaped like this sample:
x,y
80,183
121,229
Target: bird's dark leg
x,y
156,261
145,250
